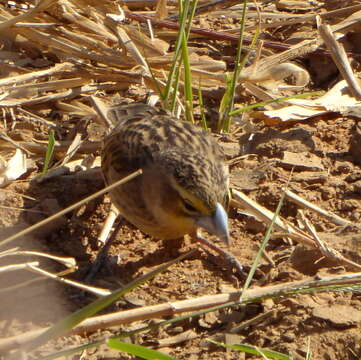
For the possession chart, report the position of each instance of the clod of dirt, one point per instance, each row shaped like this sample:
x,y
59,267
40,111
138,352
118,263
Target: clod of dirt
x,y
247,180
354,176
301,161
254,226
338,315
209,320
230,149
310,177
343,167
272,143
348,244
49,207
355,144
309,261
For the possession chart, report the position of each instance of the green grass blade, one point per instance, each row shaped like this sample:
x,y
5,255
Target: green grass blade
x,y
173,95
137,350
188,92
187,81
77,317
311,286
224,121
169,88
138,331
263,246
309,353
225,101
254,350
278,100
49,152
170,93
201,105
72,351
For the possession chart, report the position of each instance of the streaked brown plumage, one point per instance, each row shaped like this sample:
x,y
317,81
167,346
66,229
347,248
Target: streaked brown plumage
x,y
184,182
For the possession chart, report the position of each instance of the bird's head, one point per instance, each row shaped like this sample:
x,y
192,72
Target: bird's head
x,y
188,191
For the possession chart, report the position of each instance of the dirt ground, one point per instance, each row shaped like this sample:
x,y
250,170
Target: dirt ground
x,y
329,324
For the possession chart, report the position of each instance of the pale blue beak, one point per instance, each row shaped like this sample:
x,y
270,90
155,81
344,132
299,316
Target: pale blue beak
x,y
216,224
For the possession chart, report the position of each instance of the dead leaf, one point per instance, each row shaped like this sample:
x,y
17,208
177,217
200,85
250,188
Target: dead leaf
x,y
13,169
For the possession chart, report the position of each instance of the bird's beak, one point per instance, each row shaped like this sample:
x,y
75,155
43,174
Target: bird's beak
x,y
216,224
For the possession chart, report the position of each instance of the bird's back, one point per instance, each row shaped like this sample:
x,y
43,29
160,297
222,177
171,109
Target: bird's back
x,y
142,132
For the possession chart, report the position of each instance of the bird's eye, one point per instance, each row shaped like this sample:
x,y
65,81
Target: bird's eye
x,y
189,207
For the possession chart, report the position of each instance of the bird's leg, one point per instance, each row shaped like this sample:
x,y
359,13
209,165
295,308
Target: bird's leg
x,y
230,258
105,240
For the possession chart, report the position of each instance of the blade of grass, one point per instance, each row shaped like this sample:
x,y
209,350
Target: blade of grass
x,y
263,246
254,350
169,88
201,105
170,93
310,286
138,350
309,353
69,352
278,100
224,121
173,99
225,101
127,334
72,320
187,81
49,152
186,66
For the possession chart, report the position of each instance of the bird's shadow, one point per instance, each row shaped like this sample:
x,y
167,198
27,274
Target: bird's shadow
x,y
66,236
168,251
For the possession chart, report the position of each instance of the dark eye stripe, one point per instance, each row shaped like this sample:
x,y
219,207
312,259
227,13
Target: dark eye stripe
x,y
189,206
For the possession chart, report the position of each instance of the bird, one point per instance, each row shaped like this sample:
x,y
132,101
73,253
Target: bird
x,y
184,183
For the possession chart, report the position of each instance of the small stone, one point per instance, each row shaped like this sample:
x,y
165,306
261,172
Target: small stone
x,y
301,161
338,315
310,177
343,167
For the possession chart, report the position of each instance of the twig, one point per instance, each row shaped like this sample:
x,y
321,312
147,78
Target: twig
x,y
195,30
177,307
41,6
242,201
306,204
339,56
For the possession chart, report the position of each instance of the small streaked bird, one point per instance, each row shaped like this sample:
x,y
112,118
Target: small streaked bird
x,y
184,184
